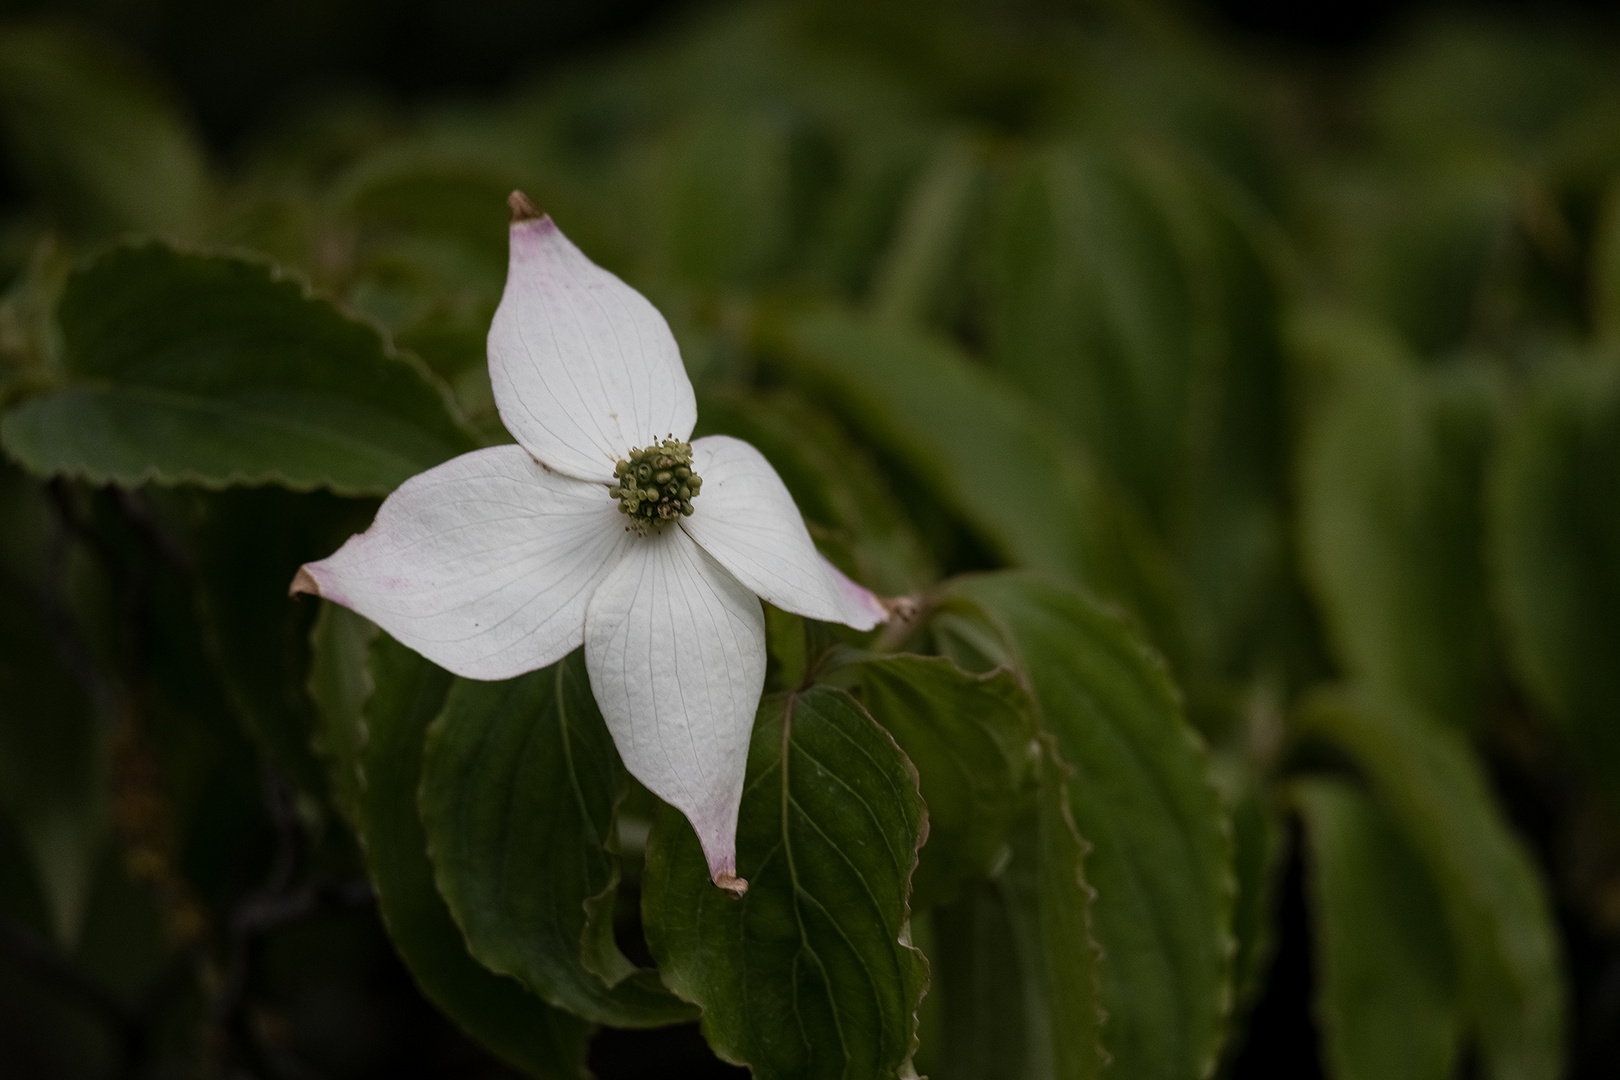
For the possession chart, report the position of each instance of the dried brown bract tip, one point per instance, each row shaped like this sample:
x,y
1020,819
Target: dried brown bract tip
x,y
731,883
901,609
522,209
304,582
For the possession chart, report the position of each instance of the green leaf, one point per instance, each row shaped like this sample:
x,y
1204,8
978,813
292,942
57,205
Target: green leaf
x,y
186,368
811,973
1161,858
54,761
726,185
787,649
1555,552
246,546
1231,536
1496,907
415,192
972,741
340,684
921,276
385,737
1094,313
1392,518
1014,960
973,1022
57,706
1386,994
1147,91
93,134
430,259
1259,845
1134,297
883,157
1605,268
1052,909
1423,250
974,441
28,309
520,784
986,454
1479,87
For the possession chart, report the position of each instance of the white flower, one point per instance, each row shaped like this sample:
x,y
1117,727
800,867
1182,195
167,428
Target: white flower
x,y
504,560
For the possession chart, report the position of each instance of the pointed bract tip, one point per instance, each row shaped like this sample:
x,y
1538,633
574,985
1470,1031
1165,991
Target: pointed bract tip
x,y
304,582
522,209
902,609
731,883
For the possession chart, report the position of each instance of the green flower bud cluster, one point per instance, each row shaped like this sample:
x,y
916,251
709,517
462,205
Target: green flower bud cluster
x,y
656,485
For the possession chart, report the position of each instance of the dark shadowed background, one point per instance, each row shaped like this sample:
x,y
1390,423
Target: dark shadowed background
x,y
243,65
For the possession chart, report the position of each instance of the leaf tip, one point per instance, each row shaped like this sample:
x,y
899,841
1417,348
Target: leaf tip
x,y
522,209
731,883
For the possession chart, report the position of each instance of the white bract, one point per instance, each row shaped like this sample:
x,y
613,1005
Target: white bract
x,y
506,559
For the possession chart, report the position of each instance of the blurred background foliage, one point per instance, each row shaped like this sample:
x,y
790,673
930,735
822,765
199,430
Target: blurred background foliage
x,y
1304,359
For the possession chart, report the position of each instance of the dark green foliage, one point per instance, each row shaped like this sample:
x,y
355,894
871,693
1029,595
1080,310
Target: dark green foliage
x,y
249,544
1052,911
244,380
388,729
520,783
811,973
1392,518
1238,445
1142,794
1387,998
1095,312
53,756
972,739
1555,547
983,451
1259,840
1013,966
1495,905
96,138
988,456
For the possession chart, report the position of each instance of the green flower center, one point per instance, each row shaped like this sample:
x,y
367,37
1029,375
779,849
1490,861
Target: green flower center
x,y
656,485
